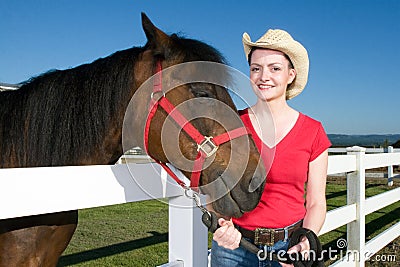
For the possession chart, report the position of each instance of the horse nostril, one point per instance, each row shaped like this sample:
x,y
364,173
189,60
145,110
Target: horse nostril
x,y
255,183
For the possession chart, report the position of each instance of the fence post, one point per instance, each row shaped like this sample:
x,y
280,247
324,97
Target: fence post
x,y
390,169
187,238
356,195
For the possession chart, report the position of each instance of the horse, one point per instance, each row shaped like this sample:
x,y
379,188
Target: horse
x,y
75,117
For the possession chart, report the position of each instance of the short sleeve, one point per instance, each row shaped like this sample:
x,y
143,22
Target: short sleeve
x,y
320,144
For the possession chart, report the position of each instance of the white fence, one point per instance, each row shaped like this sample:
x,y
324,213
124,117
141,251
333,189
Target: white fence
x,y
7,86
390,171
368,150
30,191
353,214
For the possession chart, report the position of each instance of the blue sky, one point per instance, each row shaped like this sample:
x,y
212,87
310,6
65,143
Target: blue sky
x,y
353,45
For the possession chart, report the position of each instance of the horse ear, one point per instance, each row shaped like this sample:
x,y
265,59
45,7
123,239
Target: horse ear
x,y
157,40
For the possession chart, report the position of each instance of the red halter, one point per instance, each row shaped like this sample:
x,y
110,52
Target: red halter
x,y
206,145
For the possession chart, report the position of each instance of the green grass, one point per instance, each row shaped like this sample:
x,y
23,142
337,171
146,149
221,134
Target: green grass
x,y
376,222
136,234
133,234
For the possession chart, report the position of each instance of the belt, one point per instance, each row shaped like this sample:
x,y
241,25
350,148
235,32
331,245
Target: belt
x,y
268,236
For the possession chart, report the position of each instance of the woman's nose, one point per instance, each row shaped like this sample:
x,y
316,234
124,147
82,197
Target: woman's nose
x,y
264,76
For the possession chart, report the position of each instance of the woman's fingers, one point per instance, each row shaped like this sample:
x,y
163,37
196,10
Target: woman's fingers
x,y
303,247
227,235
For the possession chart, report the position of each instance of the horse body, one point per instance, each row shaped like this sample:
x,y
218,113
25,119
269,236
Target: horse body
x,y
37,130
75,117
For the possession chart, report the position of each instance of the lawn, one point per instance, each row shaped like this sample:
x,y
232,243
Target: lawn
x,y
136,234
376,222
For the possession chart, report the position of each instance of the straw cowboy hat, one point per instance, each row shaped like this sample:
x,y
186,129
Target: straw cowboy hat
x,y
282,41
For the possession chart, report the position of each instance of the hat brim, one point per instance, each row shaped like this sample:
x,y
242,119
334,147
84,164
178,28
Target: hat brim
x,y
295,51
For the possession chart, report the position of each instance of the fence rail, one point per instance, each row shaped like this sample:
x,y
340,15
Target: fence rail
x,y
22,193
368,150
358,206
374,162
7,87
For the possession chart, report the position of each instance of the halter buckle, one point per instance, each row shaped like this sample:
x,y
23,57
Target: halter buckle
x,y
207,146
152,95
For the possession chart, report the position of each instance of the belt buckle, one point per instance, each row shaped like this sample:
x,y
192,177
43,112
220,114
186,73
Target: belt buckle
x,y
262,231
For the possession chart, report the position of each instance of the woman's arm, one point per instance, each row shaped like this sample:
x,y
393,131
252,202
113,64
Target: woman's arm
x,y
315,193
315,201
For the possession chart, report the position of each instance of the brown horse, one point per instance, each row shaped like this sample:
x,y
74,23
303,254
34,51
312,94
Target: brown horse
x,y
76,116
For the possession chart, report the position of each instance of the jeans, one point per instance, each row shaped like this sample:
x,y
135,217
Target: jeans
x,y
240,257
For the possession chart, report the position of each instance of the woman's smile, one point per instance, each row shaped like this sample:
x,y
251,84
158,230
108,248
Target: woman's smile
x,y
263,87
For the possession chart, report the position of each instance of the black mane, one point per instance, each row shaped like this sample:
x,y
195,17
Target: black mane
x,y
63,115
63,112
197,50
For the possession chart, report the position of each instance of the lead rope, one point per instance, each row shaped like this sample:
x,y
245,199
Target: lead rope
x,y
210,220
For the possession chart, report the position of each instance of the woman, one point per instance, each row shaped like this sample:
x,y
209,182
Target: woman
x,y
278,71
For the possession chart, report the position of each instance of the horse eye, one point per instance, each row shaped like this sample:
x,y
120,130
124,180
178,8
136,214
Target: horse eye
x,y
201,91
201,94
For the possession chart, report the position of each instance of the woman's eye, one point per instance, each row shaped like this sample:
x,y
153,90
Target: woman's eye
x,y
255,69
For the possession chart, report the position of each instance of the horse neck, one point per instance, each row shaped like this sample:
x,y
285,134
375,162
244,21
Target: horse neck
x,y
70,117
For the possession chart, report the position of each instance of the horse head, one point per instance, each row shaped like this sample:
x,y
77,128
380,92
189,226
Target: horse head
x,y
193,78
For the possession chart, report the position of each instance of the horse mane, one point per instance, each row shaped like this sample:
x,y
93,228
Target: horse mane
x,y
200,51
197,50
62,116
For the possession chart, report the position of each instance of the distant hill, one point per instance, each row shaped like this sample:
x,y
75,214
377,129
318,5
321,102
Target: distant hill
x,y
372,140
397,144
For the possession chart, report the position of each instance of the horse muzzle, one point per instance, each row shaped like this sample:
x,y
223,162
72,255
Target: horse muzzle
x,y
232,196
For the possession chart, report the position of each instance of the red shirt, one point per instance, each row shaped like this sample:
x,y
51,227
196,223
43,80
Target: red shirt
x,y
283,202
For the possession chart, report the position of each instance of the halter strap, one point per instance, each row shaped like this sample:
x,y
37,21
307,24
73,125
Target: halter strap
x,y
206,145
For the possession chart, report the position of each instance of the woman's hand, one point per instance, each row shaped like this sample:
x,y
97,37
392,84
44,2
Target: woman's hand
x,y
303,247
227,235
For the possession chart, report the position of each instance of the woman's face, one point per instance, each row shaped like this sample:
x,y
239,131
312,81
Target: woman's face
x,y
270,72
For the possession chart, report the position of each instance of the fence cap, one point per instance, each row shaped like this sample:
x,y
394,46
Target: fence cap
x,y
7,86
356,149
